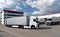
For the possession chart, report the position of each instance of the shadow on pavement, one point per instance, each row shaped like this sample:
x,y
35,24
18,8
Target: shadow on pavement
x,y
1,35
1,31
53,25
41,28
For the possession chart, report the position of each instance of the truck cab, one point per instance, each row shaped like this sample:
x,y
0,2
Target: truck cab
x,y
33,22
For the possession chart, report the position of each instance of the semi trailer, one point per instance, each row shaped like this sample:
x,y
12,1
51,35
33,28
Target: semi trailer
x,y
53,21
50,19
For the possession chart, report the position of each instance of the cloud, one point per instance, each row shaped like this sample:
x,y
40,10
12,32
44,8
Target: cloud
x,y
44,6
2,3
37,7
11,4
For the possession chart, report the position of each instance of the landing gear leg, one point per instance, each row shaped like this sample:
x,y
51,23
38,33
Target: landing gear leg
x,y
38,26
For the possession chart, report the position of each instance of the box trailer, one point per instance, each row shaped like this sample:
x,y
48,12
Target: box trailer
x,y
42,20
50,18
53,21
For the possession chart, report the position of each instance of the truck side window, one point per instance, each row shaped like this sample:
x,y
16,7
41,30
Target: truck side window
x,y
34,20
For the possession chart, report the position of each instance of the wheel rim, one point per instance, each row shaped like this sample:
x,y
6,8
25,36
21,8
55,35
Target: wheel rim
x,y
33,27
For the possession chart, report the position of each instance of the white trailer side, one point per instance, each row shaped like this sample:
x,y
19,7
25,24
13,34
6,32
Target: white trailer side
x,y
16,21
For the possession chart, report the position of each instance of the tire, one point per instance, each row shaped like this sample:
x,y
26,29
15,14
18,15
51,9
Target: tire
x,y
32,27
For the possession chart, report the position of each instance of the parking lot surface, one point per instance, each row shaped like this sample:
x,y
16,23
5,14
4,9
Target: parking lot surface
x,y
43,31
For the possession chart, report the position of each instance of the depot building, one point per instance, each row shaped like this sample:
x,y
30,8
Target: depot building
x,y
6,14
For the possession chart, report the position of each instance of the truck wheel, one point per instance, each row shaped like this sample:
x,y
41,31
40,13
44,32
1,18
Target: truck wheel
x,y
32,27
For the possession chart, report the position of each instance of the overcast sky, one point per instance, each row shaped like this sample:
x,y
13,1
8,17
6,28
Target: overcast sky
x,y
35,7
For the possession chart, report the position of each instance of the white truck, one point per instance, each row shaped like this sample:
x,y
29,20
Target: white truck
x,y
22,22
53,21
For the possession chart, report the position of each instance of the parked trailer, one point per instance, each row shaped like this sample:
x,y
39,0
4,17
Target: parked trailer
x,y
50,18
42,20
53,21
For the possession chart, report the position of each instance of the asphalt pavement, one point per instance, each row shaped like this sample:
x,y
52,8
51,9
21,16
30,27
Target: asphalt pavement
x,y
43,31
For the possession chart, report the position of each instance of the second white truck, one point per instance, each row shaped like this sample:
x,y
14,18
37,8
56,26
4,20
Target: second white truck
x,y
53,21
